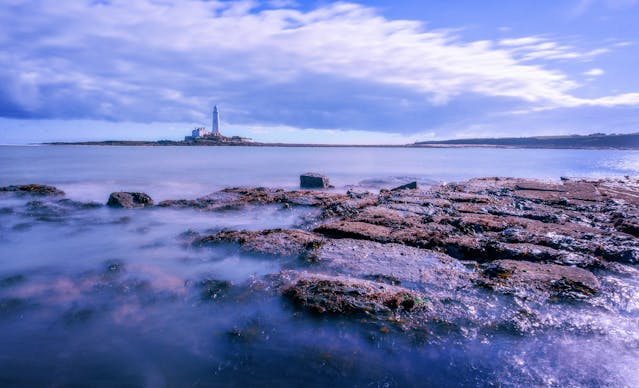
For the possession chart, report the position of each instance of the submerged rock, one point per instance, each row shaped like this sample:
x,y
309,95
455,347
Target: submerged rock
x,y
33,189
312,180
214,289
129,200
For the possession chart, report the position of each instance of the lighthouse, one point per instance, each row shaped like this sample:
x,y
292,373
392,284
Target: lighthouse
x,y
215,126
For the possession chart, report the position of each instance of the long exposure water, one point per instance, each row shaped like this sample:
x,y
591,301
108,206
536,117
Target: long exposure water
x,y
94,296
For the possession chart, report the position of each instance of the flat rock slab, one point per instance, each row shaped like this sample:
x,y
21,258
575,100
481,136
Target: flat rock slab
x,y
282,242
33,189
556,280
348,296
129,200
394,264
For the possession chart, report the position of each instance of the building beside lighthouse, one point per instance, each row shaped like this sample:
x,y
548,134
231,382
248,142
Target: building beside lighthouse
x,y
215,136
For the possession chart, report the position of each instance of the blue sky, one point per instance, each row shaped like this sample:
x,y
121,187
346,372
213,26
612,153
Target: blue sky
x,y
317,71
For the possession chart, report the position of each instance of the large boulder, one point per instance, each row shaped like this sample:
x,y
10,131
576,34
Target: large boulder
x,y
33,189
129,199
312,180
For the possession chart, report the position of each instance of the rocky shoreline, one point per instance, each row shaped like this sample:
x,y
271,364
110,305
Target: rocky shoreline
x,y
424,259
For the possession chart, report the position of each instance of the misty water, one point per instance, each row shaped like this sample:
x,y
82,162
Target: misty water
x,y
95,296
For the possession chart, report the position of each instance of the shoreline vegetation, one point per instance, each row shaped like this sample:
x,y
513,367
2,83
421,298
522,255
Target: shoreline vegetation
x,y
593,141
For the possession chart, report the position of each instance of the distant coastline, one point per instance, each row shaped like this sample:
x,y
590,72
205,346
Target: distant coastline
x,y
594,141
628,141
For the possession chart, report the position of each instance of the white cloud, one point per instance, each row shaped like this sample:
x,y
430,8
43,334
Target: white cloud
x,y
594,72
530,48
166,60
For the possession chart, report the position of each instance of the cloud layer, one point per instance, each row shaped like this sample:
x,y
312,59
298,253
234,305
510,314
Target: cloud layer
x,y
341,66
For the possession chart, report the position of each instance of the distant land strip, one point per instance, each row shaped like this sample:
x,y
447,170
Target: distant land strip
x,y
593,141
628,141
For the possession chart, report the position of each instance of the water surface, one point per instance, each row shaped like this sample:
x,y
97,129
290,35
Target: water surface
x,y
102,297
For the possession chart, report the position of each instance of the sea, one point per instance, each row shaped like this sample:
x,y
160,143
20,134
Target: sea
x,y
94,296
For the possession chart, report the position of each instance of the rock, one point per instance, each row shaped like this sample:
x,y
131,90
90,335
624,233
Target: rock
x,y
408,186
129,200
313,181
393,263
214,289
33,189
555,280
282,242
354,297
356,230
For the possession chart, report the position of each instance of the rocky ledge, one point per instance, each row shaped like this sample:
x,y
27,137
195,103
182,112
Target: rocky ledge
x,y
440,255
488,253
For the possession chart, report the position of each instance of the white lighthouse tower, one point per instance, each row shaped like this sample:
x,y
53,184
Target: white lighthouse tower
x,y
215,126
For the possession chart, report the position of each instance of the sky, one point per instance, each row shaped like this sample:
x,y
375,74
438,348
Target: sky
x,y
351,72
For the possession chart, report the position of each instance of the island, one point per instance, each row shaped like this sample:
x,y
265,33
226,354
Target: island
x,y
201,137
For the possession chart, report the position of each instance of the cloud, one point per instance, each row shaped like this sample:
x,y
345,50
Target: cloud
x,y
594,72
531,48
340,65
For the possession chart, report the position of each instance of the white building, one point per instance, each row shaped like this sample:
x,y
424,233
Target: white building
x,y
198,132
215,125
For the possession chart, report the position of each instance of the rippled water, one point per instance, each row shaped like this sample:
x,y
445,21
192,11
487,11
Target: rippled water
x,y
94,296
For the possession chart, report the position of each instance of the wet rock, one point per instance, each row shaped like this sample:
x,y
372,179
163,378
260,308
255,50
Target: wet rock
x,y
78,315
555,280
281,242
393,264
33,189
11,306
407,186
214,289
354,297
113,267
123,199
313,181
12,280
356,230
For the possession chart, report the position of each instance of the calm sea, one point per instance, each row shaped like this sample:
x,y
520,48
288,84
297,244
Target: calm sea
x,y
93,296
92,172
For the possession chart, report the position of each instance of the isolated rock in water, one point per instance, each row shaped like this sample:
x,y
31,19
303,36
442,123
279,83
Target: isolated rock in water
x,y
313,181
556,280
33,189
408,186
129,199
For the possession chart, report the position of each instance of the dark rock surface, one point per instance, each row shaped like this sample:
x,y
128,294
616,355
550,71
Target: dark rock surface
x,y
312,180
33,189
129,200
407,186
